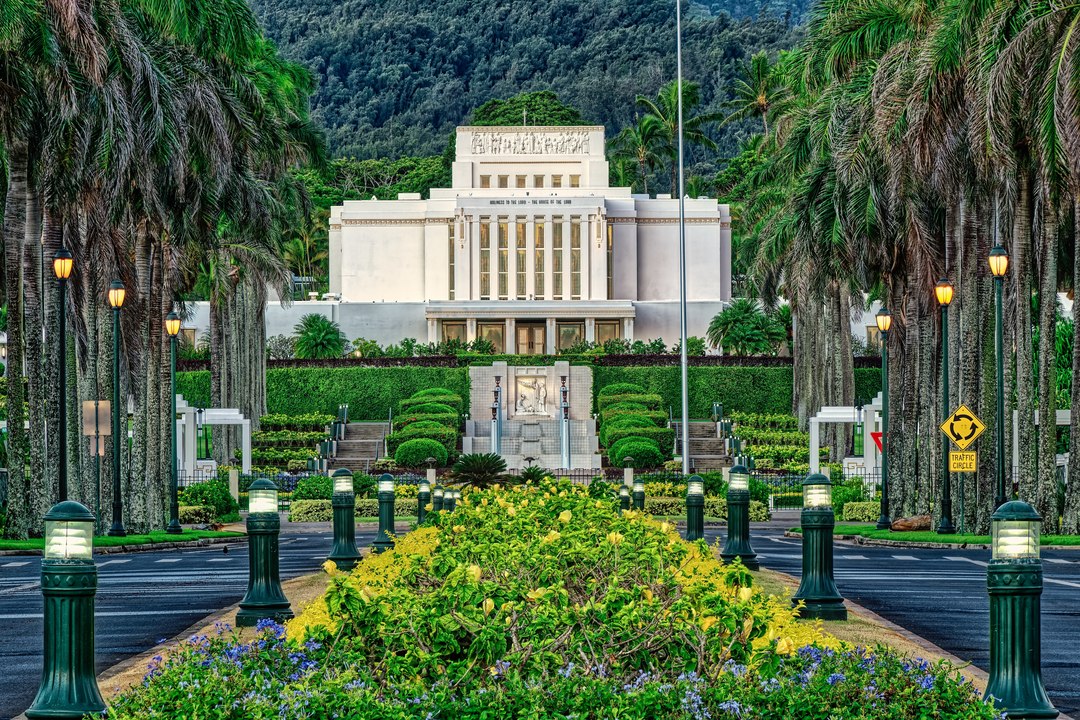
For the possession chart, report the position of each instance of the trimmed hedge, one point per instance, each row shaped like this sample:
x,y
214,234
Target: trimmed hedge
x,y
196,515
620,389
750,389
314,487
431,408
861,511
664,437
450,421
429,392
452,403
658,417
651,401
645,452
439,433
715,507
323,511
623,421
414,453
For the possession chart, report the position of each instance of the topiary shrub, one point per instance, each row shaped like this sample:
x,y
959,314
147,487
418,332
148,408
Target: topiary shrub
x,y
620,388
451,400
314,487
625,406
310,511
645,453
428,392
623,421
658,417
414,453
451,421
196,515
650,401
663,437
423,429
432,408
213,493
858,511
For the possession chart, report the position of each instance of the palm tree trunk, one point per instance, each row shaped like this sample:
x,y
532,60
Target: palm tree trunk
x,y
1025,390
1046,490
35,380
21,501
1070,521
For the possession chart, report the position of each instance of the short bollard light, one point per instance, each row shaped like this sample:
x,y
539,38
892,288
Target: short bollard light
x,y
695,508
450,502
438,496
639,494
344,553
423,497
624,498
1014,580
738,512
264,597
69,686
385,539
817,589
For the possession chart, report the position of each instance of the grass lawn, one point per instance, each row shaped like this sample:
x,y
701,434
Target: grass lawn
x,y
869,531
106,541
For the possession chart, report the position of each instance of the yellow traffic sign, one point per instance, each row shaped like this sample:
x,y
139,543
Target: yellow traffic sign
x,y
963,461
962,427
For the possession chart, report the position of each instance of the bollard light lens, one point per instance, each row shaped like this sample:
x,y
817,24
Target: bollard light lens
x,y
1015,532
639,486
817,492
439,492
624,491
262,501
739,478
425,486
343,482
695,486
386,485
69,532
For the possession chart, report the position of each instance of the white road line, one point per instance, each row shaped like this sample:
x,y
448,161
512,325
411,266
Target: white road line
x,y
19,588
117,613
782,542
16,564
980,563
220,560
905,557
1061,582
118,561
168,560
1059,561
853,557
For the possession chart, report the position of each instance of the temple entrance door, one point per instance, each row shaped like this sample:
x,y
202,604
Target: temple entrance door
x,y
531,339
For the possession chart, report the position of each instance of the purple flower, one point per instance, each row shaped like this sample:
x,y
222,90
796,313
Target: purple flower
x,y
836,678
731,707
927,682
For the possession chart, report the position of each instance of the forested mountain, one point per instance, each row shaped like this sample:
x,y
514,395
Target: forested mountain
x,y
396,76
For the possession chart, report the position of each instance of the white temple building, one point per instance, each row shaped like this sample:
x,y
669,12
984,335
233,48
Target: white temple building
x,y
531,249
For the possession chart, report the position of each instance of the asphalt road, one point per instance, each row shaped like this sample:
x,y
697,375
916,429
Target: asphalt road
x,y
941,596
142,598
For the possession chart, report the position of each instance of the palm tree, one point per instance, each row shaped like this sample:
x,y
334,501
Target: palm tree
x,y
757,92
318,337
743,329
664,110
642,143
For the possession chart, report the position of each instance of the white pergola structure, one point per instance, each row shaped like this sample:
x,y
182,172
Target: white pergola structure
x,y
187,433
837,414
1061,417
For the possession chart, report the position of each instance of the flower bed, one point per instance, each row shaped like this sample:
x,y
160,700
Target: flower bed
x,y
544,603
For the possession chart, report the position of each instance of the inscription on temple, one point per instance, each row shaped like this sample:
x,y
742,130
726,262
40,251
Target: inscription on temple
x,y
531,143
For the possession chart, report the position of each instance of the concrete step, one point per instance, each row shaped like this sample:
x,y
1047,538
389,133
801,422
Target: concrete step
x,y
709,462
698,429
365,431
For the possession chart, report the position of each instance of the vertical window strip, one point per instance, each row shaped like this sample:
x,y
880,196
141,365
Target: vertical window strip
x,y
521,275
575,258
538,274
485,259
503,260
557,258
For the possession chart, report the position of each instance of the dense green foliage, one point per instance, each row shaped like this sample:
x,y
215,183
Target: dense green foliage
x,y
415,453
314,487
370,392
757,389
646,453
394,80
626,420
318,338
210,493
423,429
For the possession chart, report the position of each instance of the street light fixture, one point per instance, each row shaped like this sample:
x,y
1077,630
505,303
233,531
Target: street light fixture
x,y
264,597
385,539
999,265
63,264
68,583
117,293
944,293
639,494
172,328
738,509
695,508
624,498
817,589
437,498
884,324
1014,581
344,553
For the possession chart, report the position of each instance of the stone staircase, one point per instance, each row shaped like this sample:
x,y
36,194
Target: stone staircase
x,y
537,438
706,449
363,445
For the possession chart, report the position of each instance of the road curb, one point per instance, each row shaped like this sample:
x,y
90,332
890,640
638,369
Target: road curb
x,y
143,547
860,540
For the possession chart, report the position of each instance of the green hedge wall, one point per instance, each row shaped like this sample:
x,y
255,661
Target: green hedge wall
x,y
750,389
194,385
867,384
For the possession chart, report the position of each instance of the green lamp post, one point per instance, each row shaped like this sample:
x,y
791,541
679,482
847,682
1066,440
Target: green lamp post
x,y
68,583
344,552
63,264
385,539
999,265
944,293
695,508
884,323
453,496
817,589
624,498
1014,580
172,327
639,494
117,293
264,597
438,496
738,510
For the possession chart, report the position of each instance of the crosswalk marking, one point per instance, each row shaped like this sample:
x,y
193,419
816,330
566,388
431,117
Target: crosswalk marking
x,y
904,557
118,561
1060,561
220,560
853,557
168,560
966,559
16,564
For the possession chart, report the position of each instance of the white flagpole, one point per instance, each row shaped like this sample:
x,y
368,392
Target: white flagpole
x,y
685,428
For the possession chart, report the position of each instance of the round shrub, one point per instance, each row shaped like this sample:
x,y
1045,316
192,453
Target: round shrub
x,y
646,453
623,421
414,453
454,402
648,400
450,420
425,425
621,388
432,408
428,392
315,487
625,405
212,493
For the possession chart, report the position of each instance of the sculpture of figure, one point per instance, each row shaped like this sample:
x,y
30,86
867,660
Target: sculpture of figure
x,y
541,396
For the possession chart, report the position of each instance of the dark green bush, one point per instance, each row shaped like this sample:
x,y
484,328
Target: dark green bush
x,y
428,392
423,429
620,389
431,408
450,421
414,453
196,515
450,400
749,389
664,437
213,493
651,401
645,451
626,405
658,417
623,421
314,487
